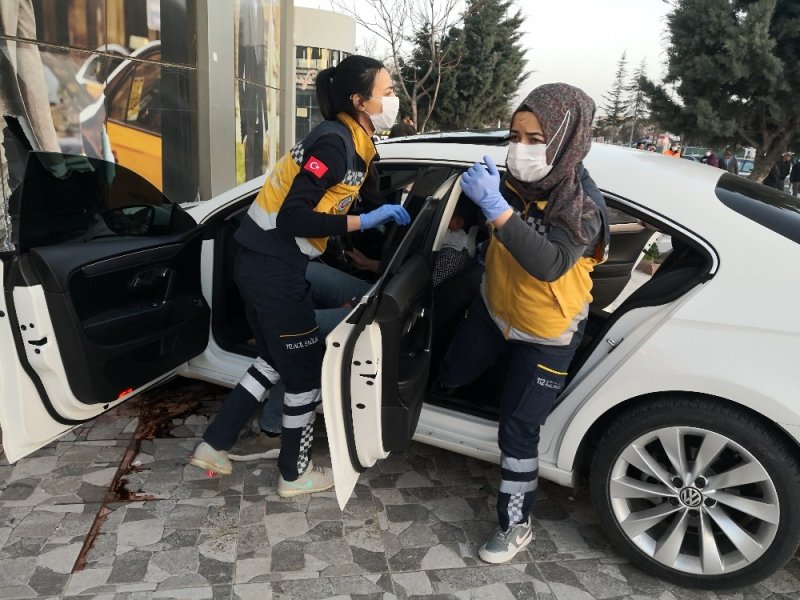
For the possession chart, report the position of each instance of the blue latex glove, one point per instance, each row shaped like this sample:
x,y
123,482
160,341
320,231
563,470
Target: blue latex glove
x,y
482,186
384,214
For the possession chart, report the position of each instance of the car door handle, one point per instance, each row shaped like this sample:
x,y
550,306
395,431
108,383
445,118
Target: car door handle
x,y
148,278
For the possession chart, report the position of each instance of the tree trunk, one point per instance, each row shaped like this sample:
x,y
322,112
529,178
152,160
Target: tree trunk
x,y
767,155
762,164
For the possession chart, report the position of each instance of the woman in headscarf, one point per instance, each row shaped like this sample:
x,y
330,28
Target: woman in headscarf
x,y
548,230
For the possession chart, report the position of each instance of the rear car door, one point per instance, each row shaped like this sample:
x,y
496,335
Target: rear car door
x,y
377,362
101,297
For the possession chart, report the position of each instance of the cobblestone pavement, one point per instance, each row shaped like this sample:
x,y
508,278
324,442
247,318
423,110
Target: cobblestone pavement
x,y
113,511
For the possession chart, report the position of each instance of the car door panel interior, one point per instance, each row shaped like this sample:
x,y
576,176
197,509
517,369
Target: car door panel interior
x,y
404,316
121,320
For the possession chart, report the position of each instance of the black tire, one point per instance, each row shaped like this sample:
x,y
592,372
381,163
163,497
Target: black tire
x,y
755,434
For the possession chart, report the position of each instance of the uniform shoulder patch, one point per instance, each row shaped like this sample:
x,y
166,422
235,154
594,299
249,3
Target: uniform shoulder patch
x,y
316,167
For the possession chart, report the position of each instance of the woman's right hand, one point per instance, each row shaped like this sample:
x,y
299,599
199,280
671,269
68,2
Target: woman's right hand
x,y
384,214
482,186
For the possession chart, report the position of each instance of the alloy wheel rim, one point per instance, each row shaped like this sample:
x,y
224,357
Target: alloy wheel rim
x,y
694,500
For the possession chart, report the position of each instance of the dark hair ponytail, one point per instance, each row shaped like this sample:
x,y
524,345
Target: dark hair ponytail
x,y
336,85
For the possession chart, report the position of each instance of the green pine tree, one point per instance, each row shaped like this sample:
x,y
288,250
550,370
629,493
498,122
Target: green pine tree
x,y
637,109
616,101
733,66
479,91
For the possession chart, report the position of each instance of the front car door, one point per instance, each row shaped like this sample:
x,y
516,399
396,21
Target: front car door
x,y
101,298
377,362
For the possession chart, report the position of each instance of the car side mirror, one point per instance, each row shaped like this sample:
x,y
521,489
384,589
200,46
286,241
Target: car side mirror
x,y
130,220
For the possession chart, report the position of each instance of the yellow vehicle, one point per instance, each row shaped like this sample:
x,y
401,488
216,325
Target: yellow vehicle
x,y
133,108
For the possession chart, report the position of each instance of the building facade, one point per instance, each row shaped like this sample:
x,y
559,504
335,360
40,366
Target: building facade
x,y
192,94
322,39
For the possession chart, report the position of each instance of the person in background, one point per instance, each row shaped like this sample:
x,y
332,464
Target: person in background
x,y
731,164
779,172
404,128
674,150
652,148
549,229
794,178
301,204
640,146
710,158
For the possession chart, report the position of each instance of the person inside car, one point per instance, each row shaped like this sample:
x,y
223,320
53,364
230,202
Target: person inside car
x,y
304,201
548,230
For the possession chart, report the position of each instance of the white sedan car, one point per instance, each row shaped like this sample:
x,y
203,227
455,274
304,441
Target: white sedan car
x,y
681,413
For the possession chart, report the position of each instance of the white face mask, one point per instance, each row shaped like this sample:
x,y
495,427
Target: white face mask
x,y
528,162
386,118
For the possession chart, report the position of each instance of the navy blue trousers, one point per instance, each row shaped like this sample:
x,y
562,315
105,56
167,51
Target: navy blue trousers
x,y
536,375
280,312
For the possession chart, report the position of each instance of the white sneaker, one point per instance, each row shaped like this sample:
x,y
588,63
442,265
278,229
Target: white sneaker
x,y
205,457
315,479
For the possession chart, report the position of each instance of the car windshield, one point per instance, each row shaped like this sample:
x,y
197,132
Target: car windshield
x,y
775,210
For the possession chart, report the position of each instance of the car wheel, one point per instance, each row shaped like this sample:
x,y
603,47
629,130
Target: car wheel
x,y
698,492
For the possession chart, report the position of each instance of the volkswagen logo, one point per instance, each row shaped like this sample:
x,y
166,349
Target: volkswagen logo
x,y
691,497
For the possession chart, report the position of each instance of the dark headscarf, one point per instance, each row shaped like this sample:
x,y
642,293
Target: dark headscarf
x,y
565,113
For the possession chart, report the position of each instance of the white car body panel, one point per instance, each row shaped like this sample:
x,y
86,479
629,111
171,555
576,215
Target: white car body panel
x,y
727,331
365,386
27,425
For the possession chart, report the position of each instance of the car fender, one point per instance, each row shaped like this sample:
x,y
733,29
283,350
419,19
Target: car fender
x,y
720,366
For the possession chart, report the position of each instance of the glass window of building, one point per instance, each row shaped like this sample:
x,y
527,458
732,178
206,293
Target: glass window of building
x,y
308,62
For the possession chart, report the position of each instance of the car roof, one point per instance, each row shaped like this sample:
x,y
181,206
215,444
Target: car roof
x,y
141,53
684,190
486,137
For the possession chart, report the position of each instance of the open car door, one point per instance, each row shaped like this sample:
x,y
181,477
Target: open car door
x,y
101,297
377,362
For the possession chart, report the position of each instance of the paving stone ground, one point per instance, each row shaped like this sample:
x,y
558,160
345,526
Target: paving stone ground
x,y
117,500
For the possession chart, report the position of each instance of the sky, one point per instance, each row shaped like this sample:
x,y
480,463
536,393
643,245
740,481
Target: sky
x,y
580,41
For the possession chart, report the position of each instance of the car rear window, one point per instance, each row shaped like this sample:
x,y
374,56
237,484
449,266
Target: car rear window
x,y
766,206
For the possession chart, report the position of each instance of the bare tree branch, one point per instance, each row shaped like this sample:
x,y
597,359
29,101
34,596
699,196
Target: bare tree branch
x,y
400,24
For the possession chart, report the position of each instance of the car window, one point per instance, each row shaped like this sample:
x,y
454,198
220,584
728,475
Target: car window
x,y
68,199
766,206
429,182
118,99
144,102
410,185
636,251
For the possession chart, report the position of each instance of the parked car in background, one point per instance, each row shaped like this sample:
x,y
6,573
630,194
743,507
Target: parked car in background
x,y
130,109
745,166
66,97
680,411
96,69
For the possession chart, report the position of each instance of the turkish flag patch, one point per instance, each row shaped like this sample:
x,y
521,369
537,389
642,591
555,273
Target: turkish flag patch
x,y
316,166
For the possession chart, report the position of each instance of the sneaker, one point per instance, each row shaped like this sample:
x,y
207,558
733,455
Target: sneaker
x,y
254,445
504,545
205,457
315,479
